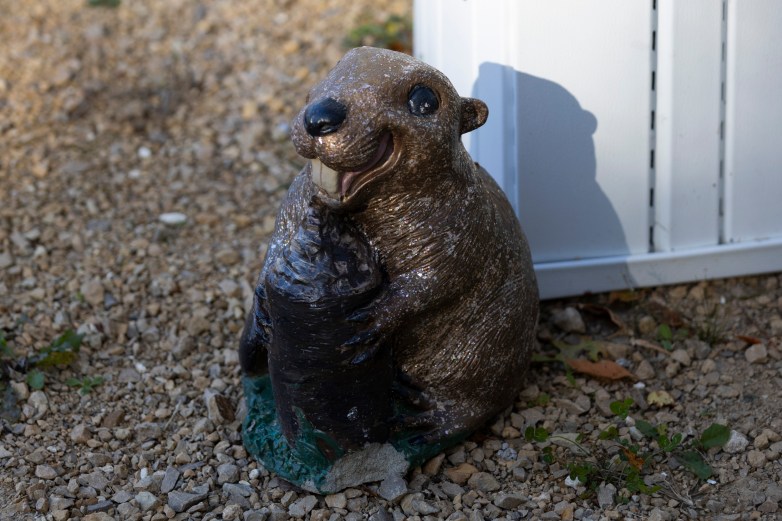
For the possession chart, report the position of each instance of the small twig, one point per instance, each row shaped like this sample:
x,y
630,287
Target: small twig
x,y
570,443
640,342
672,491
173,414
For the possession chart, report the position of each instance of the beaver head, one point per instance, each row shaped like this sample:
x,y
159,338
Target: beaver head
x,y
381,117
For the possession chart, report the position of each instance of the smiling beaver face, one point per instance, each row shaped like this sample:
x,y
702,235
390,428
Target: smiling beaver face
x,y
380,114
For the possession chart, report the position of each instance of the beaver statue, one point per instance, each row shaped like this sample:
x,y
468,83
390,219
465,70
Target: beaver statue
x,y
396,309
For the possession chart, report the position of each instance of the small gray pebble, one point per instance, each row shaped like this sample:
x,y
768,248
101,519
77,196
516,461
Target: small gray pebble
x,y
381,515
96,480
181,501
302,506
509,501
484,482
227,473
100,506
122,496
255,515
737,443
147,500
451,489
605,495
569,320
237,489
392,488
169,480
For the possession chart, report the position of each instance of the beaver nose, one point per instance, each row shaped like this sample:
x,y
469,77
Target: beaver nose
x,y
324,117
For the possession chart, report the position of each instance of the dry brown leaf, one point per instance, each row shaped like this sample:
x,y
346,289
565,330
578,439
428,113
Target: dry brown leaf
x,y
664,314
596,309
625,296
650,345
605,369
751,340
633,459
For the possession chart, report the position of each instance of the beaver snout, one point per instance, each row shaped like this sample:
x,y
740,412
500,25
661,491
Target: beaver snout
x,y
324,117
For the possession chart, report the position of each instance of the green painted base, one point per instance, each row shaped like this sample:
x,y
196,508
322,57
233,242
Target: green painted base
x,y
317,463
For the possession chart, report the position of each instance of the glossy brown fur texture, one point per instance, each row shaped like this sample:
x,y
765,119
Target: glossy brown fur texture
x,y
460,306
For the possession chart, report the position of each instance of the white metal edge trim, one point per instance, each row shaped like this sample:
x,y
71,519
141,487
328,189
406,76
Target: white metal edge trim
x,y
569,278
728,167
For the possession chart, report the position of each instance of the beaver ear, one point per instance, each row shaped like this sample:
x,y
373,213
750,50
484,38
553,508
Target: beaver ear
x,y
474,114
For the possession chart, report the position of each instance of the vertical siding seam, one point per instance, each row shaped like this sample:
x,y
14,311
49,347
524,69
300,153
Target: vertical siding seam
x,y
723,112
652,127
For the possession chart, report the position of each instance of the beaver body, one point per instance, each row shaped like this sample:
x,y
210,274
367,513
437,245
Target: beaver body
x,y
458,305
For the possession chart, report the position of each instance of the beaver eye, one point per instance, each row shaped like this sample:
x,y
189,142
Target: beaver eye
x,y
422,101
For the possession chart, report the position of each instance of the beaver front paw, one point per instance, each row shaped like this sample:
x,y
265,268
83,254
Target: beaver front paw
x,y
426,427
366,343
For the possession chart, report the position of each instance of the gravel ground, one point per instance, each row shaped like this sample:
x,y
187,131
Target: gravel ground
x,y
110,118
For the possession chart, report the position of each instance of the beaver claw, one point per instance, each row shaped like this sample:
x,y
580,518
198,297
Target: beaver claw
x,y
410,393
360,316
426,427
366,337
365,355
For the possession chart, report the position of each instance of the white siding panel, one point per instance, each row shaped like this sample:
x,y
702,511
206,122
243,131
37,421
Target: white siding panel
x,y
584,100
569,136
753,148
687,188
494,145
562,279
568,131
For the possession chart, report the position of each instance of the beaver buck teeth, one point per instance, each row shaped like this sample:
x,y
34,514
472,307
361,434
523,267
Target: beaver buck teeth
x,y
338,184
325,177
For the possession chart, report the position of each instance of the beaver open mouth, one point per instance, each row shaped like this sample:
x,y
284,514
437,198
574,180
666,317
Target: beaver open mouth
x,y
341,184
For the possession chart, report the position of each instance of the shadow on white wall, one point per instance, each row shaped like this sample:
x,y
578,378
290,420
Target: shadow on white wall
x,y
562,207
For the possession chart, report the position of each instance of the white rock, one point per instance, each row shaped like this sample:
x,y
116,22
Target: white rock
x,y
737,443
6,260
173,218
147,500
302,506
681,356
232,512
80,434
230,288
336,500
45,472
93,292
39,402
569,320
756,458
605,495
227,473
757,354
392,488
21,390
658,515
217,408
